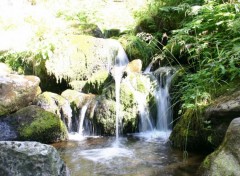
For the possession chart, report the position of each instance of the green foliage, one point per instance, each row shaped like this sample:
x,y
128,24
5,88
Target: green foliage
x,y
162,16
210,42
28,62
138,48
15,60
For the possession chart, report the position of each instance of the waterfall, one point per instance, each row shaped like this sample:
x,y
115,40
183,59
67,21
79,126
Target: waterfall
x,y
82,117
145,120
121,62
164,112
84,126
143,109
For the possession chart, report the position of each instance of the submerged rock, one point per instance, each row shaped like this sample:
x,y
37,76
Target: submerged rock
x,y
226,159
17,91
30,158
56,104
33,123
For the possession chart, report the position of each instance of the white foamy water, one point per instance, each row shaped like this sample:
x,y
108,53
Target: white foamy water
x,y
154,136
76,137
103,155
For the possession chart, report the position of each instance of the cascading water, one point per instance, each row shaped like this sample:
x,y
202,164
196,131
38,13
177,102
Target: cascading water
x,y
121,62
82,117
143,109
161,125
83,124
164,112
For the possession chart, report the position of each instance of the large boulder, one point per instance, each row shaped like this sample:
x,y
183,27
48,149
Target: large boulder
x,y
33,123
220,114
226,159
56,104
30,158
88,53
17,91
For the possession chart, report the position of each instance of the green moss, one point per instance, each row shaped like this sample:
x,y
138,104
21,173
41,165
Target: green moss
x,y
189,133
97,82
39,125
206,163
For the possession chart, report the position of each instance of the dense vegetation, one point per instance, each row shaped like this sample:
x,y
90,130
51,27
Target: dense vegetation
x,y
203,39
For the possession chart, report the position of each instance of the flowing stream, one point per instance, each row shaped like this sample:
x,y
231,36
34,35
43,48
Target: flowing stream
x,y
145,153
137,156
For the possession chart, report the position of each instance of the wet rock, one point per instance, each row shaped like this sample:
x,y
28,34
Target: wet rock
x,y
78,100
17,91
225,160
220,114
134,88
30,158
56,104
134,66
97,82
33,123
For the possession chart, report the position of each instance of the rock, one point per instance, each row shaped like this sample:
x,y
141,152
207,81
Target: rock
x,y
205,128
220,113
30,158
77,100
226,159
134,66
77,85
104,117
79,57
90,29
56,104
97,82
225,107
17,91
33,123
188,134
132,87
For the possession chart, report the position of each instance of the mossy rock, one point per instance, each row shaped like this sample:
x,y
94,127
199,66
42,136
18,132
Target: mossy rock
x,y
97,82
225,160
131,87
105,115
108,33
90,29
90,54
56,104
77,85
189,132
35,124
